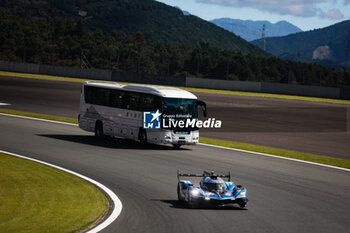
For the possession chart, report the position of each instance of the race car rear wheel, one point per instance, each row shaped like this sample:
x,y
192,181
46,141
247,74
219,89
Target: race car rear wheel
x,y
179,193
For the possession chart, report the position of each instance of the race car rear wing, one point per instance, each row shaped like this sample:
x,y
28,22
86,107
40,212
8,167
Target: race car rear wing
x,y
205,174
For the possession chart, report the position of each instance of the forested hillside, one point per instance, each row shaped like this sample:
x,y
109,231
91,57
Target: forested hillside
x,y
157,21
326,45
60,42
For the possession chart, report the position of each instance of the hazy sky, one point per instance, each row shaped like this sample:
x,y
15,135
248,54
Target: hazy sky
x,y
306,14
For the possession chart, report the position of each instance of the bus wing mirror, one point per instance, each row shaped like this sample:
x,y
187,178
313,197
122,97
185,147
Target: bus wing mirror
x,y
204,107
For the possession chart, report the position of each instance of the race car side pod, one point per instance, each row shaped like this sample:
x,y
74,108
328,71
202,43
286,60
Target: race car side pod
x,y
205,174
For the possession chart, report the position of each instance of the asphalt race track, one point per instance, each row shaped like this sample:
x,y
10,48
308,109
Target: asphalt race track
x,y
318,128
284,196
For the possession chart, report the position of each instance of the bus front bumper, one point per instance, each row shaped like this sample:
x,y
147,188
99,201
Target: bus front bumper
x,y
169,137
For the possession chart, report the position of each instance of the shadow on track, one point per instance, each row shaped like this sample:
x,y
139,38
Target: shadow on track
x,y
181,205
108,142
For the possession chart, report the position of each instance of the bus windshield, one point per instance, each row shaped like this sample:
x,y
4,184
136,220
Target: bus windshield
x,y
180,108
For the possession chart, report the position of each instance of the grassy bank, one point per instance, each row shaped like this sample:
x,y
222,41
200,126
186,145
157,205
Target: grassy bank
x,y
217,142
279,152
40,116
199,90
38,198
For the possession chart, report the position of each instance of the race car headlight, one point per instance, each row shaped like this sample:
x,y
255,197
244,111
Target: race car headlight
x,y
242,194
167,137
195,138
195,192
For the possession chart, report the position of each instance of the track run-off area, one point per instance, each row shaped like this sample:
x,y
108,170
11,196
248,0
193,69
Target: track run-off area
x,y
284,196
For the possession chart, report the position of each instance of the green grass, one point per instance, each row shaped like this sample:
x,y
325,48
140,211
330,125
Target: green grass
x,y
40,116
279,152
218,142
267,95
38,198
41,76
199,90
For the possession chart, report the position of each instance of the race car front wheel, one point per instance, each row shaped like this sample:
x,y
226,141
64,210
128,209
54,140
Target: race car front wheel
x,y
242,203
179,193
190,202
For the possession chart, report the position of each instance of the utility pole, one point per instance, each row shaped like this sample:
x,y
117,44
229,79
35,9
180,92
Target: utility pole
x,y
84,62
227,69
263,37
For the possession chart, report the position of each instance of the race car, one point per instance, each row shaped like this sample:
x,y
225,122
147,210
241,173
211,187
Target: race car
x,y
212,190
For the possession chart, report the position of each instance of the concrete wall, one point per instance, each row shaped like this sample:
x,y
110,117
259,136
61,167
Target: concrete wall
x,y
99,74
345,94
64,71
223,84
76,72
303,90
148,79
19,67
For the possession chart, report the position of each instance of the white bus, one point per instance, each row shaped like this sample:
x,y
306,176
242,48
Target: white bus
x,y
117,110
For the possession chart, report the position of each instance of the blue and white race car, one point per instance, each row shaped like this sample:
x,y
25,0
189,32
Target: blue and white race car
x,y
212,190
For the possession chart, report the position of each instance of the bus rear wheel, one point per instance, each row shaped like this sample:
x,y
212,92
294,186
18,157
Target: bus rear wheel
x,y
143,136
99,129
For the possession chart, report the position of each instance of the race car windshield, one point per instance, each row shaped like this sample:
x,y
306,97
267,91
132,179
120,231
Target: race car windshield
x,y
214,186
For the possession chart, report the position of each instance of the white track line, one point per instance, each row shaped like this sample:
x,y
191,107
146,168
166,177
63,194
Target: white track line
x,y
4,104
277,157
116,202
38,119
203,144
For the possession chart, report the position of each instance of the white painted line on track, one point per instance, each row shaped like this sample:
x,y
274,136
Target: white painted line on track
x,y
116,202
4,104
203,144
275,156
38,119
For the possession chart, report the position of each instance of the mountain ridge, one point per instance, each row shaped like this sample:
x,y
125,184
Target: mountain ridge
x,y
251,30
326,46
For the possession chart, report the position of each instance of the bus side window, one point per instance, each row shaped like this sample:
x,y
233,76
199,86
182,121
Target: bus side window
x,y
102,96
125,101
116,98
157,104
133,103
86,94
147,103
89,93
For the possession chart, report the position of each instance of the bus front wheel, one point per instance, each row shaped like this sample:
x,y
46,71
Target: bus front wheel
x,y
99,129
